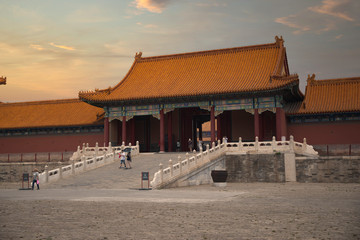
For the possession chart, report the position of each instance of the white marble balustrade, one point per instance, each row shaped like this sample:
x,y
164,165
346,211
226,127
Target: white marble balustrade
x,y
183,167
86,159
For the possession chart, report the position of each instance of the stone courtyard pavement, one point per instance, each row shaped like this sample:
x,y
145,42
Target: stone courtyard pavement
x,y
111,207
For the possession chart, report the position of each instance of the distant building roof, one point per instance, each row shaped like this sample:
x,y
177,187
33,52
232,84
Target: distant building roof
x,y
2,80
329,96
212,73
69,112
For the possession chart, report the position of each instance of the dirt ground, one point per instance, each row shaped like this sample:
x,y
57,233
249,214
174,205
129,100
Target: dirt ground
x,y
238,211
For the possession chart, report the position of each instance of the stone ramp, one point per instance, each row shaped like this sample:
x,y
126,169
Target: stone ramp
x,y
112,177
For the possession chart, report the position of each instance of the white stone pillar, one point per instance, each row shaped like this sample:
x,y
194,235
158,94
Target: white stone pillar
x,y
46,173
60,172
73,167
83,159
180,165
273,143
304,146
161,168
256,143
240,147
171,168
291,144
96,149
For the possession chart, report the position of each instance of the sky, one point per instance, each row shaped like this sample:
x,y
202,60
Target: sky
x,y
54,49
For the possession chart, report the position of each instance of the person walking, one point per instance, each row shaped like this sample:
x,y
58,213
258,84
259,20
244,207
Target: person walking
x,y
190,144
128,159
35,179
122,159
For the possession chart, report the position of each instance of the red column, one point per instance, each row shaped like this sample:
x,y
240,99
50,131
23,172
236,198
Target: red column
x,y
162,131
106,131
212,123
124,129
219,129
132,131
280,123
256,123
119,132
169,114
261,128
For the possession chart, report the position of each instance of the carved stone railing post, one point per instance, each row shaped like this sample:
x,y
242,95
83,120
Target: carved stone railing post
x,y
291,144
273,143
137,147
161,173
187,161
240,147
195,158
83,149
256,143
180,165
73,167
46,173
207,152
60,172
171,168
304,146
109,149
96,149
83,159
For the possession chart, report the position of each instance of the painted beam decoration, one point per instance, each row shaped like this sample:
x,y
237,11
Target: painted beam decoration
x,y
249,103
221,105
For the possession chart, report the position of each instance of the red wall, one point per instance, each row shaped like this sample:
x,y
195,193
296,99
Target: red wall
x,y
326,133
48,143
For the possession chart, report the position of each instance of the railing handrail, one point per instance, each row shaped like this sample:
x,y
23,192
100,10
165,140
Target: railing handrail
x,y
176,171
81,162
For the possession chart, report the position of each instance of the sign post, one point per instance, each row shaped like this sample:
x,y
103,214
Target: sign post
x,y
25,178
145,177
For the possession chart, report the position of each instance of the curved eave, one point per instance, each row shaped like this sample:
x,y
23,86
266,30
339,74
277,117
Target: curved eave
x,y
99,123
288,90
305,113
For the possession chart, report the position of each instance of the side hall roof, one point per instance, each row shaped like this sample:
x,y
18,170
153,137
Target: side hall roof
x,y
53,113
328,96
206,73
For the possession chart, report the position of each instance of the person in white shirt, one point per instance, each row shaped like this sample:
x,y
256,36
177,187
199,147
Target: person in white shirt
x,y
122,156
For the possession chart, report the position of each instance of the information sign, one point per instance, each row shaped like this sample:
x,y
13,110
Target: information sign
x,y
145,177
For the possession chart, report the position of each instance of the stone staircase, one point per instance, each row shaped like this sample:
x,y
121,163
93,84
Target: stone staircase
x,y
112,177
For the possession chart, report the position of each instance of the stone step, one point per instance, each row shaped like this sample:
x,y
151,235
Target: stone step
x,y
113,177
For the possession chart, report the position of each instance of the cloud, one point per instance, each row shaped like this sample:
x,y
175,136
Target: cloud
x,y
90,14
214,4
339,36
62,46
331,7
147,25
37,47
290,21
155,6
328,16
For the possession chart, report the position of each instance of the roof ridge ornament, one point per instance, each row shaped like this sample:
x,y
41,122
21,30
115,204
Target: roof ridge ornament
x,y
311,79
138,55
2,80
279,41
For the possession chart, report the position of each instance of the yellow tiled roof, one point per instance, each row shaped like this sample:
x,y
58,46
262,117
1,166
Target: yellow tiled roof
x,y
69,112
223,71
329,96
